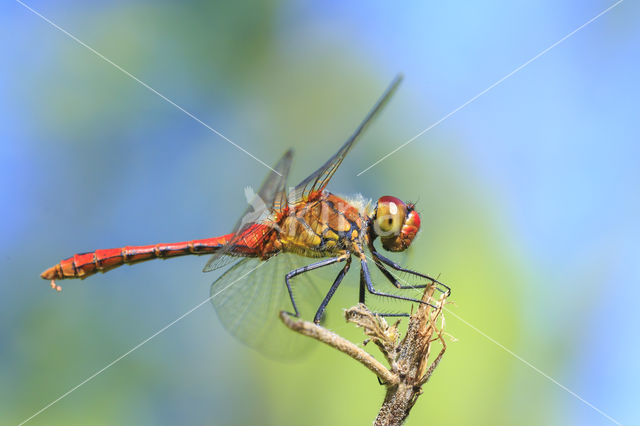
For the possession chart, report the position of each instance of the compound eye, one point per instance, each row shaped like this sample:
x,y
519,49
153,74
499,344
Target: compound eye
x,y
390,216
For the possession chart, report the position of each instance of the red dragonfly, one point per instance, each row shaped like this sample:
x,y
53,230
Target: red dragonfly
x,y
278,229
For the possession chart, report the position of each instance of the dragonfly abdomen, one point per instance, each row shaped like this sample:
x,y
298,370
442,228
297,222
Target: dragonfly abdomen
x,y
83,265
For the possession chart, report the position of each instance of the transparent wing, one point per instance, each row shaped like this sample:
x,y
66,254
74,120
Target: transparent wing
x,y
318,180
270,197
250,295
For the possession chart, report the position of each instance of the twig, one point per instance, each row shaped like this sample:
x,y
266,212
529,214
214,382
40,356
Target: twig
x,y
409,367
412,362
340,343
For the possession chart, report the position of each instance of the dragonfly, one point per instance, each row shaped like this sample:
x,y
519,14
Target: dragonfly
x,y
280,229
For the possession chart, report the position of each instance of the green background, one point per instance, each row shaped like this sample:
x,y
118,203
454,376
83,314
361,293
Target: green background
x,y
528,199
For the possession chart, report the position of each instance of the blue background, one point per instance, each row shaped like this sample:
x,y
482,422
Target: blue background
x,y
528,196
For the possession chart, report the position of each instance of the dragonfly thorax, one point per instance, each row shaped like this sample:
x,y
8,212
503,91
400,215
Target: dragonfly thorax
x,y
325,226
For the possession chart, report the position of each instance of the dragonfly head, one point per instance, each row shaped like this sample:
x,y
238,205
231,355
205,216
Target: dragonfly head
x,y
395,222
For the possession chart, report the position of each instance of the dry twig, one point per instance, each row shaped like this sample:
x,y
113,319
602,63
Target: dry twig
x,y
409,366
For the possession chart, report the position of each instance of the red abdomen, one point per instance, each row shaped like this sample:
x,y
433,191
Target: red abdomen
x,y
85,264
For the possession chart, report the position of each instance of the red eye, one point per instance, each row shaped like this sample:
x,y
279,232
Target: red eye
x,y
396,223
414,219
390,216
391,199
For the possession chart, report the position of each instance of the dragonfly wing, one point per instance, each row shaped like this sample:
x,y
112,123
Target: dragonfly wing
x,y
318,180
218,261
250,295
270,197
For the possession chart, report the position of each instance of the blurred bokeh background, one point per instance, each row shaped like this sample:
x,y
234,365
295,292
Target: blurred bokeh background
x,y
529,199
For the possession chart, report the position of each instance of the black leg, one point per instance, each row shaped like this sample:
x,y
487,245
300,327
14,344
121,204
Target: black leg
x,y
362,287
388,275
378,257
332,290
304,269
367,279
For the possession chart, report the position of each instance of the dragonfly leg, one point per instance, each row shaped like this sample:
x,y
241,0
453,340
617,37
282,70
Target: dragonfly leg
x,y
393,280
363,288
363,292
378,257
366,276
332,290
390,314
304,269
